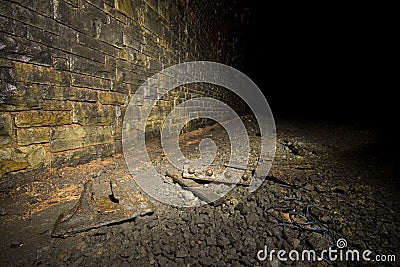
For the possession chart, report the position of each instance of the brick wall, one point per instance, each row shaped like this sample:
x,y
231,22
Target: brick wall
x,y
69,67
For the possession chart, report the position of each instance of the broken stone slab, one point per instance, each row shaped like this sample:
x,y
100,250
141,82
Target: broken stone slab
x,y
101,203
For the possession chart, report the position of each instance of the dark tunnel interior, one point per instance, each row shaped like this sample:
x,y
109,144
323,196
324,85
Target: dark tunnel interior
x,y
85,176
331,64
328,63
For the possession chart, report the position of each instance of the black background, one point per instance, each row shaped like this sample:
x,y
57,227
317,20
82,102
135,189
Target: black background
x,y
330,63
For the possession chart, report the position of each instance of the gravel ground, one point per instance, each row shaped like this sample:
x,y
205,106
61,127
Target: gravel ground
x,y
328,182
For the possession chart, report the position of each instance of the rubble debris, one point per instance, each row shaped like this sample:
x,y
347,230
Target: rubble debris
x,y
202,193
296,147
101,203
366,215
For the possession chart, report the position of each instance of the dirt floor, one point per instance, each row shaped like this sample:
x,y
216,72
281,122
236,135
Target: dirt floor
x,y
328,182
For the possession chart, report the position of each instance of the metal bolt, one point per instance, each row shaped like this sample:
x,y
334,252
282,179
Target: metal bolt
x,y
209,172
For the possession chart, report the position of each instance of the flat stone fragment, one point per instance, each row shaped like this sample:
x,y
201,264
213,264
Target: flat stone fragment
x,y
100,204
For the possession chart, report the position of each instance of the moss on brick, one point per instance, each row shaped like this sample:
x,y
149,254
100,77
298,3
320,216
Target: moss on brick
x,y
42,118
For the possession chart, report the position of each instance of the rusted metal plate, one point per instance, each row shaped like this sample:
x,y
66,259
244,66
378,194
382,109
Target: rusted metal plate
x,y
101,203
230,177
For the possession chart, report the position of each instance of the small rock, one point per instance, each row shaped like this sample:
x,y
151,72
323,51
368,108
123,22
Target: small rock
x,y
213,251
325,219
170,225
168,179
188,196
206,261
341,189
296,242
309,187
195,252
181,252
211,241
3,212
320,188
33,201
317,241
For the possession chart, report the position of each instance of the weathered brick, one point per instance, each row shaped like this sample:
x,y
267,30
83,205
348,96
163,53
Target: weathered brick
x,y
131,42
68,93
92,114
98,3
136,57
19,97
77,136
120,87
91,42
31,73
122,54
155,64
27,16
39,35
74,3
82,155
73,17
60,63
87,66
68,36
5,129
125,6
114,13
117,126
109,35
42,118
24,158
90,82
87,52
111,98
12,26
28,136
151,22
56,105
149,51
24,50
95,10
130,76
44,7
8,84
